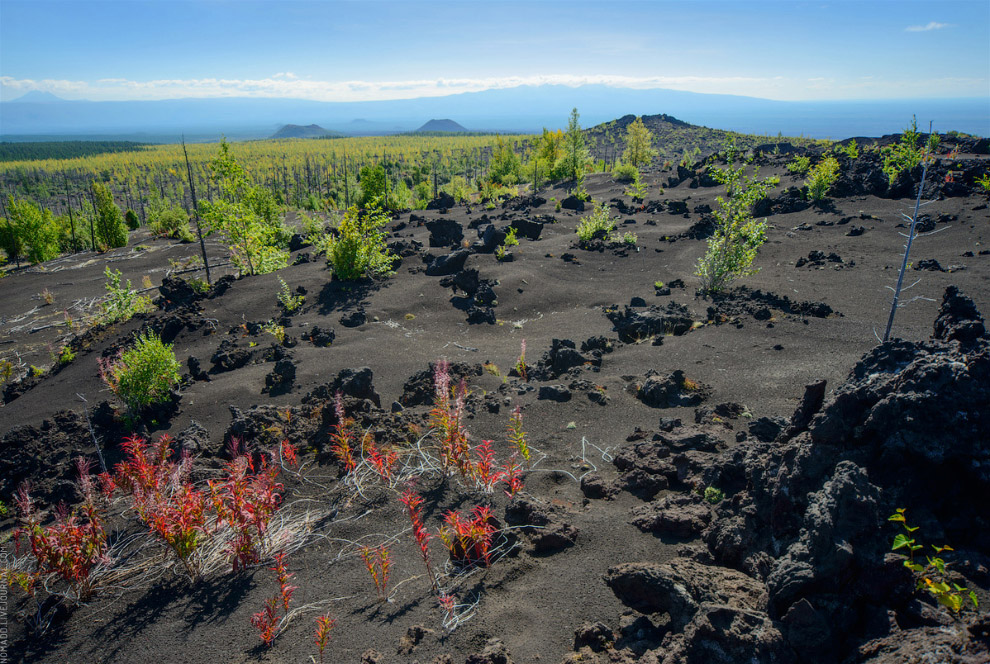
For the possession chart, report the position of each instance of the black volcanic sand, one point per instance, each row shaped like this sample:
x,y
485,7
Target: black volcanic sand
x,y
615,557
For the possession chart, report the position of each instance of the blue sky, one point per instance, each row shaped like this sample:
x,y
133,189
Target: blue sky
x,y
783,49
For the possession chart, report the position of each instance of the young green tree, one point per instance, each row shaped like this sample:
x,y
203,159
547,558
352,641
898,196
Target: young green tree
x,y
111,231
246,217
576,155
505,167
372,185
639,144
738,236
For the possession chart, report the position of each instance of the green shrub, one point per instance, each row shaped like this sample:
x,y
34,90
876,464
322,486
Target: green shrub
x,y
66,355
131,219
800,165
121,302
822,177
510,241
903,155
143,375
636,190
458,187
984,183
30,231
738,237
625,172
597,223
358,248
713,495
851,150
168,220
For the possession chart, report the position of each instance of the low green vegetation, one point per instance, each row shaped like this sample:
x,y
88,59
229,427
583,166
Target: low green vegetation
x,y
713,495
800,165
510,241
625,172
290,303
121,301
29,232
932,577
142,375
167,219
358,248
821,178
597,224
908,152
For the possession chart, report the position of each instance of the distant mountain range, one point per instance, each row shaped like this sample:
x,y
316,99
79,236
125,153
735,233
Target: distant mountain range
x,y
522,109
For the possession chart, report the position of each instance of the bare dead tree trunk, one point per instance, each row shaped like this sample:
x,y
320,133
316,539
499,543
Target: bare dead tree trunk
x,y
68,204
199,225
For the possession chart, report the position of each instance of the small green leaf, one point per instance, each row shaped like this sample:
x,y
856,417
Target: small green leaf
x,y
972,596
910,529
901,541
896,517
953,602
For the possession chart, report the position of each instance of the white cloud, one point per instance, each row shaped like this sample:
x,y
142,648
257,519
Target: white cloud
x,y
288,85
925,28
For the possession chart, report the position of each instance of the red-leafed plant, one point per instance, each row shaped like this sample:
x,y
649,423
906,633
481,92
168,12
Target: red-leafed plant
x,y
324,625
485,470
512,476
413,505
268,620
469,539
71,546
382,462
164,498
378,562
246,500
